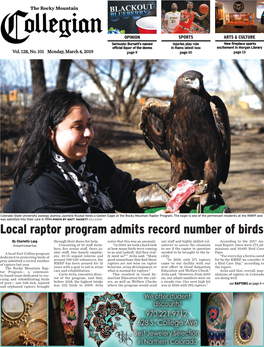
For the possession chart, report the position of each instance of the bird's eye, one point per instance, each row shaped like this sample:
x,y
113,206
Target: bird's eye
x,y
186,79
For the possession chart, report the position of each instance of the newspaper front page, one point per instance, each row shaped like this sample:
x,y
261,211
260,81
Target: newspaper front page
x,y
136,279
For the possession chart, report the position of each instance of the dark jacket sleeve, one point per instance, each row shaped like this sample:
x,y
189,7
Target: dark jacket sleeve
x,y
122,191
48,194
51,194
119,184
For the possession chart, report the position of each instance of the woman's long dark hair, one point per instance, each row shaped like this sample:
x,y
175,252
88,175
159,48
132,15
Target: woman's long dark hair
x,y
47,112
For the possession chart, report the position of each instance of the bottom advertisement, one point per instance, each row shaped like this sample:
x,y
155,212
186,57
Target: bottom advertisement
x,y
131,319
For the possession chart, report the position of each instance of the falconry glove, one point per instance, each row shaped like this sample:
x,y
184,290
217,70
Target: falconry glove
x,y
152,196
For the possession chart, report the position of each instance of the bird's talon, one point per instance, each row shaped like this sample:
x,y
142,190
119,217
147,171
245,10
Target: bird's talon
x,y
205,188
199,208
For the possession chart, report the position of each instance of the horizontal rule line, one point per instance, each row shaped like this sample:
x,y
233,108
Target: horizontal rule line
x,y
185,40
131,40
237,40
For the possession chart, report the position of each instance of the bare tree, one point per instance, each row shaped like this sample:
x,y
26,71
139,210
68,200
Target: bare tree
x,y
38,78
63,73
39,85
119,81
258,91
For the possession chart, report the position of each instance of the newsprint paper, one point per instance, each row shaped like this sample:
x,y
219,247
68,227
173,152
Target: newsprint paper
x,y
136,279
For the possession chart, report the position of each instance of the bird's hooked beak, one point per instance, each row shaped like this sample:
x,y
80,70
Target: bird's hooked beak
x,y
195,84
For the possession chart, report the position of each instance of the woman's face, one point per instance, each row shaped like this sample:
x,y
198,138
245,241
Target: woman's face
x,y
73,135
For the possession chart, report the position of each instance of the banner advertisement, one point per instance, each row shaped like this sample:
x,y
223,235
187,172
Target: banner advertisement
x,y
132,173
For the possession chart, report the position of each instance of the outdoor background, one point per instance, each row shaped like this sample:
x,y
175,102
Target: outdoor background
x,y
116,90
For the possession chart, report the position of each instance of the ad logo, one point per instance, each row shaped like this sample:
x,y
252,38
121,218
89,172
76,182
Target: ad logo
x,y
238,6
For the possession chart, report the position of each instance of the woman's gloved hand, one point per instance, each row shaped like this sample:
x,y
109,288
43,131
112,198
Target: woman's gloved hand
x,y
152,196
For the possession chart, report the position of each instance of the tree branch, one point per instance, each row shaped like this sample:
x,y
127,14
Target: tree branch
x,y
249,82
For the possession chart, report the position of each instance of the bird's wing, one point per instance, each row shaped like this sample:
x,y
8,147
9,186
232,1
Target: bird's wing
x,y
154,116
223,127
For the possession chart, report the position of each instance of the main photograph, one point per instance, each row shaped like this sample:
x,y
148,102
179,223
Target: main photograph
x,y
132,136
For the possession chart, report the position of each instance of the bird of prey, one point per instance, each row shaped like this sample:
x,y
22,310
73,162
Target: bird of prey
x,y
193,133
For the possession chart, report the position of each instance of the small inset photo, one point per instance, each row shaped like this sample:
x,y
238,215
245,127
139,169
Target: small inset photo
x,y
239,17
132,17
66,319
109,320
24,319
248,319
185,17
216,319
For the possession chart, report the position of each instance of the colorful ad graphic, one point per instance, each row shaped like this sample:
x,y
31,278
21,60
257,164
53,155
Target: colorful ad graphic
x,y
142,319
132,17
